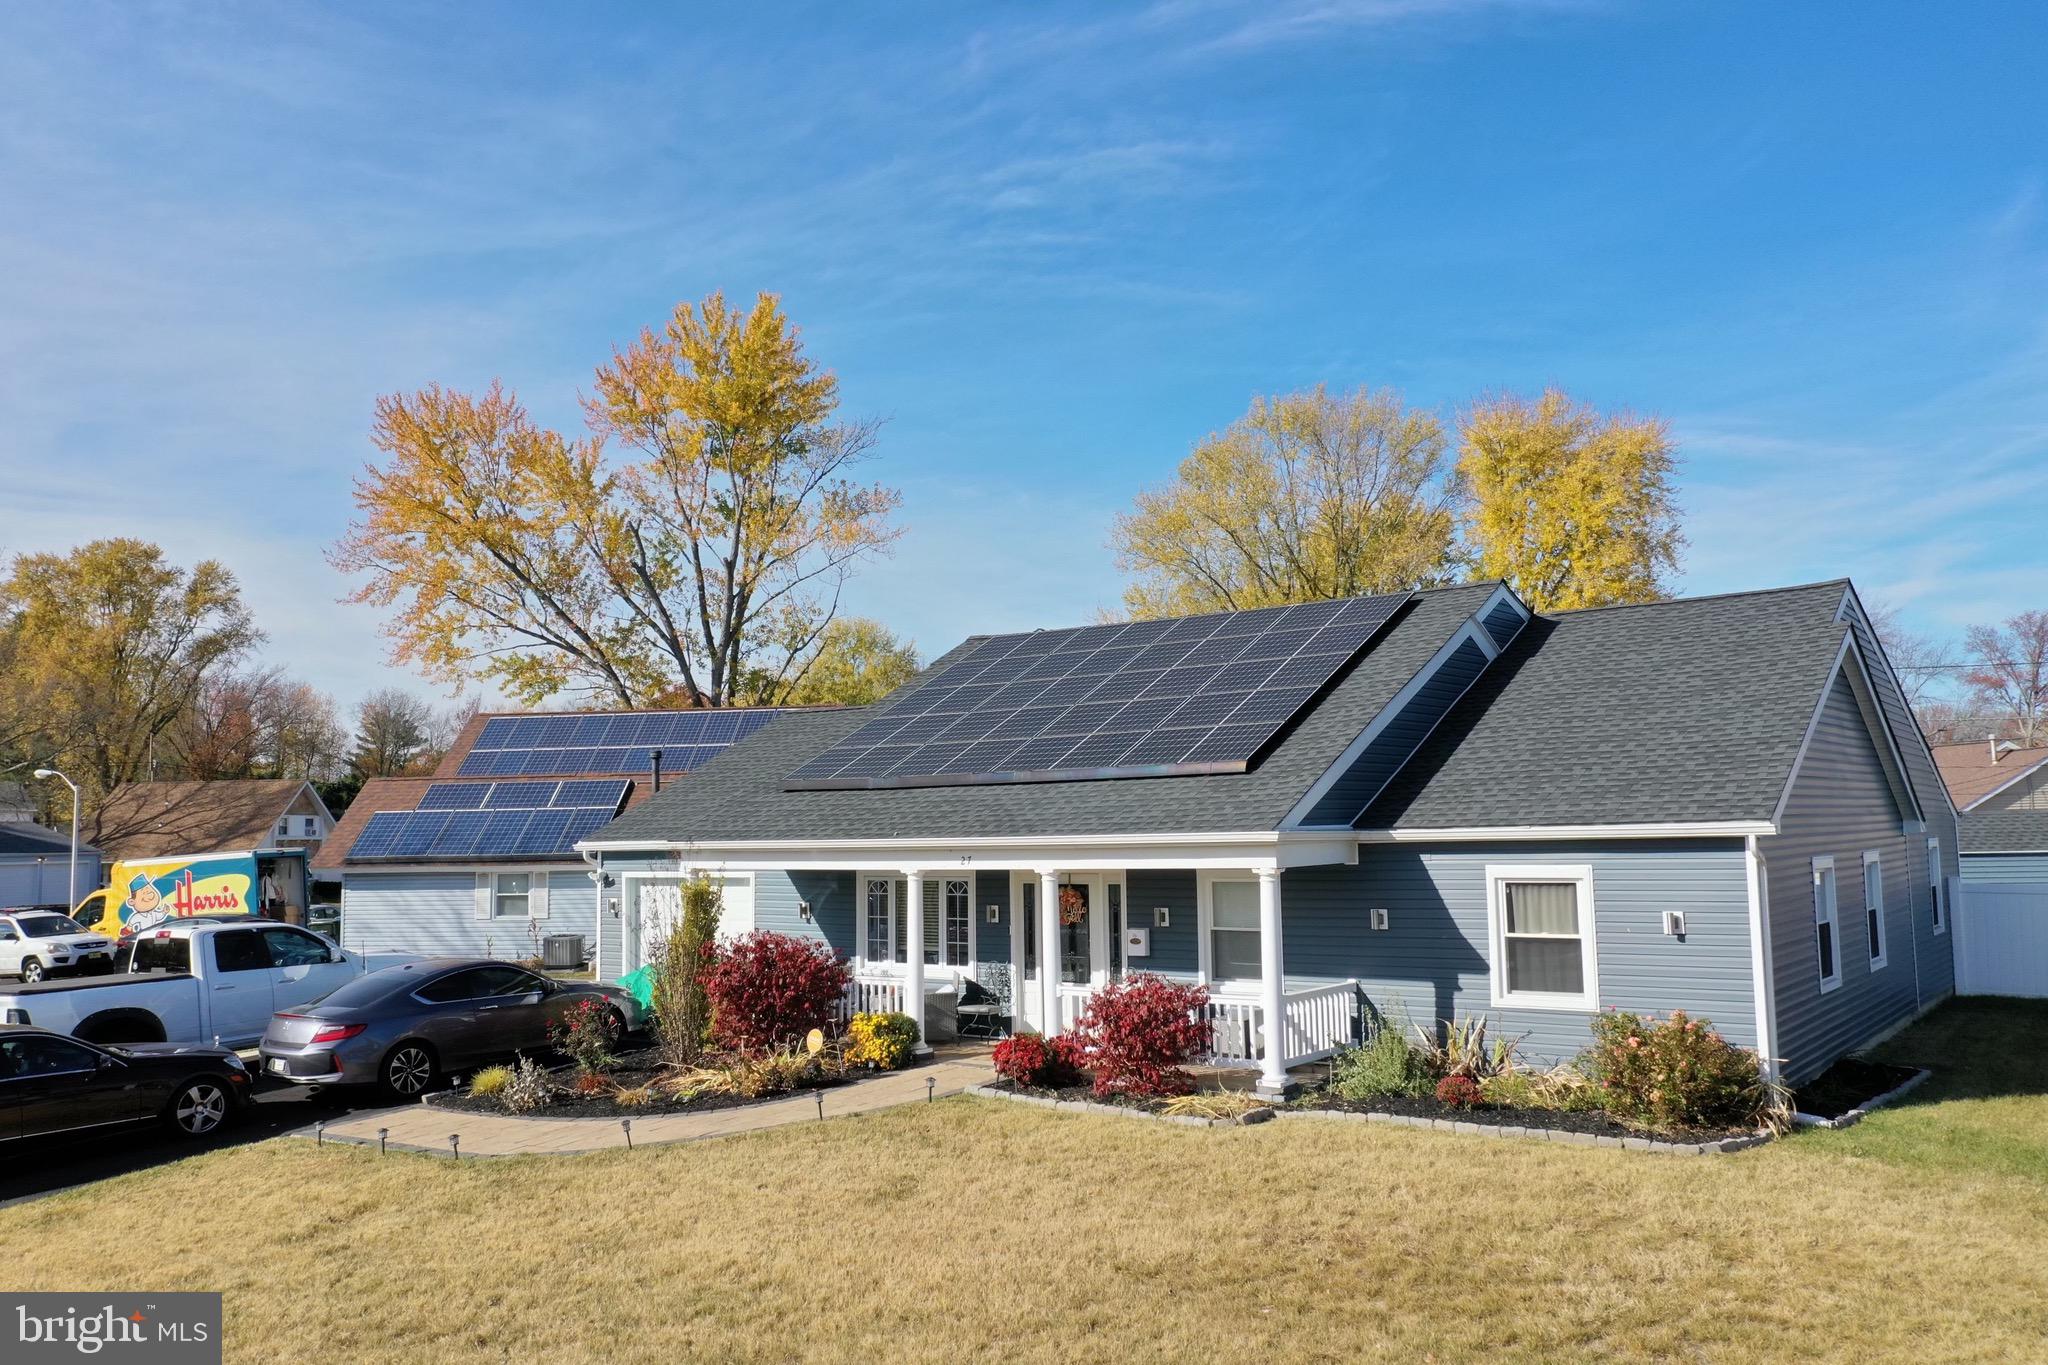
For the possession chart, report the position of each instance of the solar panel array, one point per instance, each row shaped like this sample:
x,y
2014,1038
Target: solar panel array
x,y
534,746
1201,694
493,819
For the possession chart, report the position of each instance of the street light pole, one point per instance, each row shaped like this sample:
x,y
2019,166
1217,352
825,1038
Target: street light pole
x,y
44,775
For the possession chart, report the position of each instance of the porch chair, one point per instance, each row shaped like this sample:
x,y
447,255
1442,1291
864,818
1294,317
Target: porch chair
x,y
981,1013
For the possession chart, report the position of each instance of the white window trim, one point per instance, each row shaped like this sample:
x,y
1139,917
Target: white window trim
x,y
498,894
1833,918
1873,869
1498,875
973,913
1936,884
1205,918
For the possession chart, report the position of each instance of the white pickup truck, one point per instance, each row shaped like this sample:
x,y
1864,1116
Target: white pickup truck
x,y
195,981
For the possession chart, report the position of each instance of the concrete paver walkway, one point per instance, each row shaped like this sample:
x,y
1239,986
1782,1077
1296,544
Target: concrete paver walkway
x,y
421,1127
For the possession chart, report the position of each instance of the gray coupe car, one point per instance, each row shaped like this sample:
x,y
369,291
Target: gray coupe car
x,y
406,1026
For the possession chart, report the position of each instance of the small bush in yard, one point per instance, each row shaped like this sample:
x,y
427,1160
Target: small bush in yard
x,y
634,1096
883,1040
1036,1062
1140,1034
1385,1064
529,1089
682,1008
1674,1073
584,1035
1459,1092
490,1082
1461,1048
776,1073
1561,1088
768,990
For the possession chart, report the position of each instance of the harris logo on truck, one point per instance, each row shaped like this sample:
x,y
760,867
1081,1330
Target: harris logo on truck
x,y
157,892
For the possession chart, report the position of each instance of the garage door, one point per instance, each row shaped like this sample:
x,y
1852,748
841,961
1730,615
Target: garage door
x,y
658,906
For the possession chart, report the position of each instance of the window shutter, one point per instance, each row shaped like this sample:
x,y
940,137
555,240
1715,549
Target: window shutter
x,y
483,895
537,897
934,920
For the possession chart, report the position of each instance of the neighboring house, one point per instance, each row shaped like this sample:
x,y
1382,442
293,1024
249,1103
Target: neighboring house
x,y
2005,846
1421,807
1994,775
35,866
480,857
151,819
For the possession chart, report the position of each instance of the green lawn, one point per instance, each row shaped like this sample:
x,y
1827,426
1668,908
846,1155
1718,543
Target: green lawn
x,y
975,1230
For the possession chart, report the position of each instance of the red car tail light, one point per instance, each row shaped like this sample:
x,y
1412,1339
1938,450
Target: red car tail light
x,y
337,1033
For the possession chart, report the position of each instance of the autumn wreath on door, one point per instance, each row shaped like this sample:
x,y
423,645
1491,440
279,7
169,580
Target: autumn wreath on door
x,y
1073,905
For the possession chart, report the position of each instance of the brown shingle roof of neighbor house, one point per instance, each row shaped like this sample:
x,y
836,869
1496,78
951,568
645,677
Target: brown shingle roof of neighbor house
x,y
152,819
1971,773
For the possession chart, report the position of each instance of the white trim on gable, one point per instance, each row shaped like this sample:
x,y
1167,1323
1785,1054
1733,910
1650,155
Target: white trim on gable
x,y
1473,631
1850,598
1872,711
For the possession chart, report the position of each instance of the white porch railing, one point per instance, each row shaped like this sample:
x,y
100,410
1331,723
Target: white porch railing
x,y
871,995
1317,1023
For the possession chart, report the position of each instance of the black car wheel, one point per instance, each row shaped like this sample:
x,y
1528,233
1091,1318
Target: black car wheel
x,y
409,1070
32,970
199,1108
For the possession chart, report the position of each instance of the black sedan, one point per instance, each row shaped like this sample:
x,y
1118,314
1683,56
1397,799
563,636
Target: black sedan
x,y
52,1084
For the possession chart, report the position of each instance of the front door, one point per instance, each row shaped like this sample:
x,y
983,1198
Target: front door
x,y
1083,956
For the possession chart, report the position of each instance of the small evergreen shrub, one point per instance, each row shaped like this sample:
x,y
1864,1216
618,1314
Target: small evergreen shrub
x,y
490,1082
768,990
1385,1064
1673,1073
1140,1033
883,1040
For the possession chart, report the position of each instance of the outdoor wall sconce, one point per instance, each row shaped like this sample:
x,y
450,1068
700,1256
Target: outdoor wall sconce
x,y
994,912
1161,917
803,911
1379,917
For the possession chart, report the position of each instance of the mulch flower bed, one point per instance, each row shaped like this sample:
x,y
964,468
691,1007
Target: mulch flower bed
x,y
1594,1122
635,1068
1849,1084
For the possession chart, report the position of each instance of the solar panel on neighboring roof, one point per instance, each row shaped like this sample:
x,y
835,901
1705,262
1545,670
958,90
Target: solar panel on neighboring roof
x,y
1202,694
534,746
502,819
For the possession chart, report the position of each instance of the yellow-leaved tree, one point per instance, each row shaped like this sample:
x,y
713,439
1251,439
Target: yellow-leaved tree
x,y
859,661
1308,496
700,567
1572,508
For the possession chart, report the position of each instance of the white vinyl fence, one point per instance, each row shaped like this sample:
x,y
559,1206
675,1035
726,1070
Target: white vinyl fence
x,y
2001,935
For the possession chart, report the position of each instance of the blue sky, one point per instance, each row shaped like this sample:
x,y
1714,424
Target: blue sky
x,y
1052,245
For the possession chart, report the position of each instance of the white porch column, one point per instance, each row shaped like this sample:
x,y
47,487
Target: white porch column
x,y
913,956
1272,989
1049,947
1019,926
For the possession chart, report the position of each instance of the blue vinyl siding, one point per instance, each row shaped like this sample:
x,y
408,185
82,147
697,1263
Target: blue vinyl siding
x,y
992,941
434,913
1402,735
2005,868
1176,949
1431,962
1504,623
1841,805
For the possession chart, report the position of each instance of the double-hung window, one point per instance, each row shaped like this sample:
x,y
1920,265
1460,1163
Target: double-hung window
x,y
1544,954
1873,907
514,893
1826,936
1937,887
1233,933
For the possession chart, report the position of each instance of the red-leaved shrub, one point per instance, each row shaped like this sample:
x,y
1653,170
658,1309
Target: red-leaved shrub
x,y
1459,1092
1035,1062
1141,1033
768,990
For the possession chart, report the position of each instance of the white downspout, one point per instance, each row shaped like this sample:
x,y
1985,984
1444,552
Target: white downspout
x,y
1762,987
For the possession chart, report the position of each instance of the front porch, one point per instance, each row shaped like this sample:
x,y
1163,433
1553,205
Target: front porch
x,y
1040,942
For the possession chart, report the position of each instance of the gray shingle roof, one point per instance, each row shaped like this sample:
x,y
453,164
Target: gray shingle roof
x,y
740,795
1690,710
2003,831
